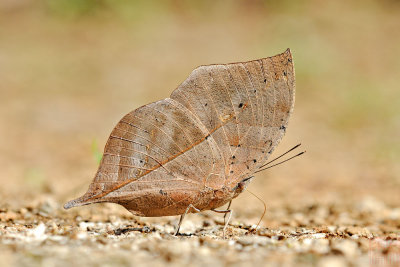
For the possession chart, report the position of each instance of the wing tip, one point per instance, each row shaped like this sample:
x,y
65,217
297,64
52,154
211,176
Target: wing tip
x,y
70,204
288,52
74,203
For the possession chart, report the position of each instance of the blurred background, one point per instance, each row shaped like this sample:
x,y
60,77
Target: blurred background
x,y
70,69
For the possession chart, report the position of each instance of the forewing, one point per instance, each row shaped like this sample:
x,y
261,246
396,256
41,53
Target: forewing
x,y
245,108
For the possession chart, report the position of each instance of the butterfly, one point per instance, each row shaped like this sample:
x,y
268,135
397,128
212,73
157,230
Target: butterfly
x,y
198,149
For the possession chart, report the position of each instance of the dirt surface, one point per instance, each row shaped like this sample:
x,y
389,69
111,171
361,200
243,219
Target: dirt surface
x,y
364,234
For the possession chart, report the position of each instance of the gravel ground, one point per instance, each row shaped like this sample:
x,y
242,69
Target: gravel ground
x,y
42,234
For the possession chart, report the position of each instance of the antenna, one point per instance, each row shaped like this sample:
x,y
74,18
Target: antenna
x,y
279,163
293,148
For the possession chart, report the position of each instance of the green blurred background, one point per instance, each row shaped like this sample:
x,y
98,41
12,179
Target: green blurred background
x,y
70,69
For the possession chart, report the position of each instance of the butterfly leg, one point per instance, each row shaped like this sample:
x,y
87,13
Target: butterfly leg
x,y
229,217
183,216
229,205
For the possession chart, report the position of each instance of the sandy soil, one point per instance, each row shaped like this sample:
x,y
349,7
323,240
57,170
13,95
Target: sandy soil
x,y
42,234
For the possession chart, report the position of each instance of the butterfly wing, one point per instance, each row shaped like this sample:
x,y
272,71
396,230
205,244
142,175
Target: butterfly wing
x,y
215,130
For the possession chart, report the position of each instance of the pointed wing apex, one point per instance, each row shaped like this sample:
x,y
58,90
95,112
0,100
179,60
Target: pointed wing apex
x,y
81,201
72,203
86,199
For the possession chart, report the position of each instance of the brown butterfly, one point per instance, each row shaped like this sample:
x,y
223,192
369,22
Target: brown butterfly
x,y
197,149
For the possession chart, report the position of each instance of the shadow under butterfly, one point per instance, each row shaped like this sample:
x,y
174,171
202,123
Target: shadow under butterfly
x,y
199,148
